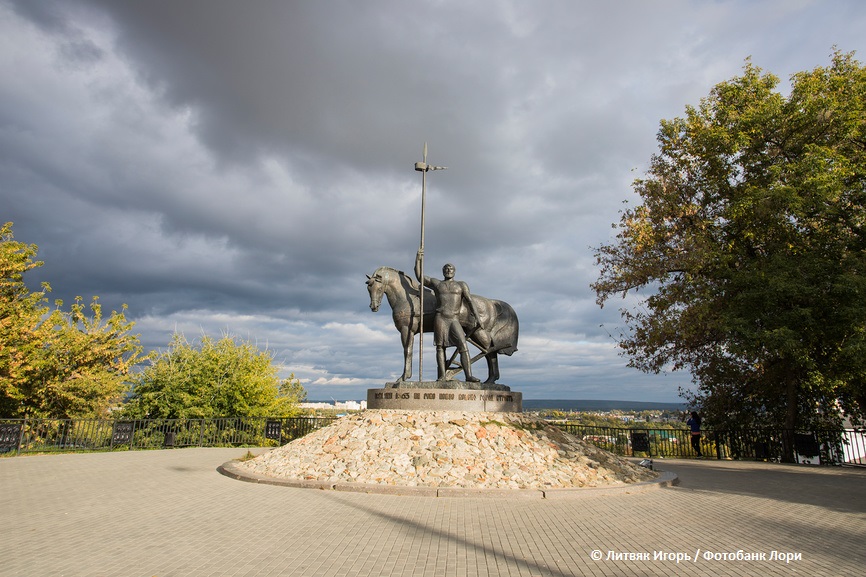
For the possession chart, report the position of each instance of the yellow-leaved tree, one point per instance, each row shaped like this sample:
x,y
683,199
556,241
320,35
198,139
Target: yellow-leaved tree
x,y
57,364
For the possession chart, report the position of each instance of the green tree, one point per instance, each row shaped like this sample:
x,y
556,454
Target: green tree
x,y
291,392
216,378
750,242
53,363
85,362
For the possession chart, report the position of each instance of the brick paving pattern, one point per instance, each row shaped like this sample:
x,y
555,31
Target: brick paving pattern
x,y
169,513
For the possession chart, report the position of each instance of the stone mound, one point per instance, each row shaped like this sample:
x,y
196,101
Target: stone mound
x,y
446,449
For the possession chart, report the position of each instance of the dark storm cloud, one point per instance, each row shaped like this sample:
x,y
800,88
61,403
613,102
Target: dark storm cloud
x,y
239,166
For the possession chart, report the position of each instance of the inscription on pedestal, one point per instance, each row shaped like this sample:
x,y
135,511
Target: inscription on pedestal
x,y
445,399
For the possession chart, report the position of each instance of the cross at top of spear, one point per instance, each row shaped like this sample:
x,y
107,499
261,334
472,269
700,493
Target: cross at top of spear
x,y
423,166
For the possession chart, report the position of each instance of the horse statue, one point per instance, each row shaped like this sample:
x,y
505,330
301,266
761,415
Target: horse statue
x,y
497,318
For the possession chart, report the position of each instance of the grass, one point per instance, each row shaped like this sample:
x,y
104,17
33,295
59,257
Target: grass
x,y
248,457
497,423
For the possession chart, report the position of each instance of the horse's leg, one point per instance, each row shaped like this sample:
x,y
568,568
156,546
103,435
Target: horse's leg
x,y
492,368
408,338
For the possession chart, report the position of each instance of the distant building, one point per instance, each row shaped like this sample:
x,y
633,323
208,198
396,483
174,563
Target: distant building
x,y
352,405
337,406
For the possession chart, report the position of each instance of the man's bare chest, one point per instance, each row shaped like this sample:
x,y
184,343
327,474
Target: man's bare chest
x,y
449,288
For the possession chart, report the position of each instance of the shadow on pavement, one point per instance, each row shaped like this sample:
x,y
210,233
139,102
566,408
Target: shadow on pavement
x,y
841,489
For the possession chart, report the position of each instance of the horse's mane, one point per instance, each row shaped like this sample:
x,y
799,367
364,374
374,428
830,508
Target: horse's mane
x,y
413,284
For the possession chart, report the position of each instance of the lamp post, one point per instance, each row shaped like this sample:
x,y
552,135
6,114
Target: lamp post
x,y
423,168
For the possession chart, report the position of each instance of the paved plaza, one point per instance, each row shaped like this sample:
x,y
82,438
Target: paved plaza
x,y
170,513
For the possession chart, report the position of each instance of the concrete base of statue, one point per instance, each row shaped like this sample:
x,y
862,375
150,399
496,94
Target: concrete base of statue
x,y
445,396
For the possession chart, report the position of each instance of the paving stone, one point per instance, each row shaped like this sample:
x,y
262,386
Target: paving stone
x,y
169,512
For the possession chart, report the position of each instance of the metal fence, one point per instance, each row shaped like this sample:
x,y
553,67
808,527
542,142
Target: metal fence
x,y
47,435
813,447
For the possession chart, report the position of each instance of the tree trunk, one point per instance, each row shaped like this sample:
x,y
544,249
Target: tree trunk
x,y
791,410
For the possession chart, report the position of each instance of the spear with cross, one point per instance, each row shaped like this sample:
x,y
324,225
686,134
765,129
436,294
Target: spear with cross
x,y
423,168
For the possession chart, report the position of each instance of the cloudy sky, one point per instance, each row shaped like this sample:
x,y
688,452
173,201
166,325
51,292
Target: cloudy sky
x,y
238,167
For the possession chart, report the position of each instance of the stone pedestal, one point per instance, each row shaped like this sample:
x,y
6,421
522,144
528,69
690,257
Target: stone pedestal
x,y
446,396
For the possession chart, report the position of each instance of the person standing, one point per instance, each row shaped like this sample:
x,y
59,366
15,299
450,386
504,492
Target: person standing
x,y
694,424
447,331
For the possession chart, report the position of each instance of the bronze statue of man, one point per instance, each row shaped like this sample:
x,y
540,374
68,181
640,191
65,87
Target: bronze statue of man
x,y
450,295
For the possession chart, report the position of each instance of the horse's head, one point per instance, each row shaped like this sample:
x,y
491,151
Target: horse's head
x,y
376,288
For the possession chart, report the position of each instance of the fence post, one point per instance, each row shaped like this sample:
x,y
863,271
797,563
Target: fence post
x,y
21,436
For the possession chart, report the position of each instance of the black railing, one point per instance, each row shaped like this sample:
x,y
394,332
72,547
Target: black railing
x,y
47,435
815,447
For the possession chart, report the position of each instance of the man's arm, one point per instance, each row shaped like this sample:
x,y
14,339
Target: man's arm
x,y
426,281
469,303
418,258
